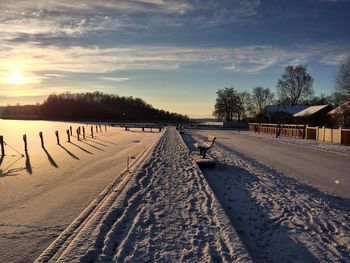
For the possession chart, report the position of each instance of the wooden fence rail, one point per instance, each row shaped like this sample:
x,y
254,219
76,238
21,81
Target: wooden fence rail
x,y
339,136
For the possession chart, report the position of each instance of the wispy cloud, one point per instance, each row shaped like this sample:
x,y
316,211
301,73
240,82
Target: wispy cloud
x,y
54,75
215,13
47,19
114,79
41,61
96,6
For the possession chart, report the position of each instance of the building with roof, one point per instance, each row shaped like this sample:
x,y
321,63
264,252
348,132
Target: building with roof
x,y
341,115
314,115
282,113
272,109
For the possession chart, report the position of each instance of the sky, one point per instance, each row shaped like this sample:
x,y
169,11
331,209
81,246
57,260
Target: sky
x,y
173,54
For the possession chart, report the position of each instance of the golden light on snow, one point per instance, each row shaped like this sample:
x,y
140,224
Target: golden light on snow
x,y
16,77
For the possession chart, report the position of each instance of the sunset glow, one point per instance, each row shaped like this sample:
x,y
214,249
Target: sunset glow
x,y
16,77
173,54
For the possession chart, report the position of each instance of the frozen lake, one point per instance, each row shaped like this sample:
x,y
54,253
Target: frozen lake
x,y
42,191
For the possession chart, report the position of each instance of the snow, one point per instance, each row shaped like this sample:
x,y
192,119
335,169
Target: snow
x,y
310,111
44,191
163,210
279,218
318,145
322,169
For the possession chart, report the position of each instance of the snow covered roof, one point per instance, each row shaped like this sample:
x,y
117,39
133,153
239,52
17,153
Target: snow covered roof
x,y
341,108
270,109
310,111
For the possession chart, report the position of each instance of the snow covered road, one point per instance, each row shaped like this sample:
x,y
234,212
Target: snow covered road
x,y
326,170
279,218
164,211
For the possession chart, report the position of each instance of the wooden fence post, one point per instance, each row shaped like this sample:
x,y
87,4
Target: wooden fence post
x,y
57,137
68,134
316,131
78,134
2,145
324,133
83,132
25,142
332,136
96,129
71,131
92,132
41,139
100,128
105,127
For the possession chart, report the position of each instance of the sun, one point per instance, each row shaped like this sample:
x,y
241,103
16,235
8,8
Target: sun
x,y
16,77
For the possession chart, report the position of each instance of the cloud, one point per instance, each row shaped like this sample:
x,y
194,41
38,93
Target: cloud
x,y
334,59
114,79
48,18
54,75
42,62
98,6
215,13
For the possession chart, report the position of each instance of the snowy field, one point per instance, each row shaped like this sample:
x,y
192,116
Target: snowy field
x,y
42,192
279,218
165,209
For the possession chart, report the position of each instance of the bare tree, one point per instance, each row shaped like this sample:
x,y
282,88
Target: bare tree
x,y
295,85
342,80
229,103
258,100
241,104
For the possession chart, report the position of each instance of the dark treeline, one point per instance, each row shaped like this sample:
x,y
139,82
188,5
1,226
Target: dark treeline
x,y
95,106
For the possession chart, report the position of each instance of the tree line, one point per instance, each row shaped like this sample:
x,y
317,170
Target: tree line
x,y
95,106
295,87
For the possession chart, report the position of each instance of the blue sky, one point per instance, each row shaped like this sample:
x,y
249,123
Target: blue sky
x,y
174,54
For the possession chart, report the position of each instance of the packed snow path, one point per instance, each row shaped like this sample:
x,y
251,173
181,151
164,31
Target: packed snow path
x,y
278,218
164,212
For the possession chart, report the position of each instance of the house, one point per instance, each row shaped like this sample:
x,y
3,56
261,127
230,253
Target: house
x,y
272,109
341,115
314,115
282,113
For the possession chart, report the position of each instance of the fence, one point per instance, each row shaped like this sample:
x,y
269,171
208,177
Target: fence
x,y
339,136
